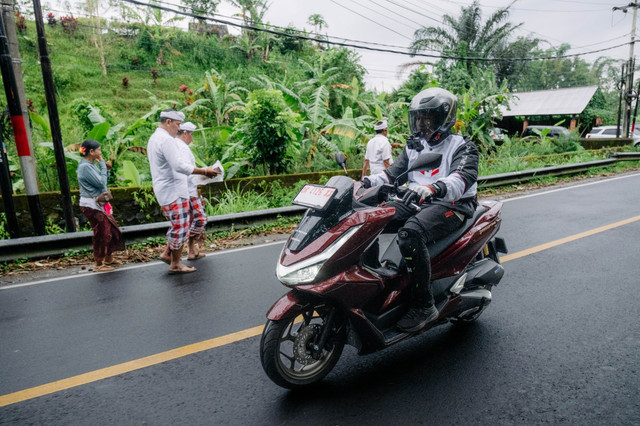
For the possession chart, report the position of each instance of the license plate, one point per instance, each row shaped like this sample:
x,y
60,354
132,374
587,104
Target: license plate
x,y
315,196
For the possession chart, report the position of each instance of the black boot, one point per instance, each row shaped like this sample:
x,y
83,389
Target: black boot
x,y
417,318
423,310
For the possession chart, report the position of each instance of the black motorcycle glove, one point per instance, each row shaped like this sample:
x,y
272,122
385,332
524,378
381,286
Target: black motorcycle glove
x,y
366,182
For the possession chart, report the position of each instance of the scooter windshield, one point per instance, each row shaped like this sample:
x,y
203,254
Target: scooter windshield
x,y
315,222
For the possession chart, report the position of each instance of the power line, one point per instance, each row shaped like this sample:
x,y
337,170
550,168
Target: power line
x,y
394,12
301,32
538,10
357,46
369,19
421,14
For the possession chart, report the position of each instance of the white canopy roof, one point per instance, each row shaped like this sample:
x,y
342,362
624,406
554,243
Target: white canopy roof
x,y
550,102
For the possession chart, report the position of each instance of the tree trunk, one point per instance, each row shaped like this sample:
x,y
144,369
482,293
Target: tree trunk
x,y
92,8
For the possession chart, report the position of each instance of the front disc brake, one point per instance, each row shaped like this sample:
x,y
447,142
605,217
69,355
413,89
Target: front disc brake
x,y
301,345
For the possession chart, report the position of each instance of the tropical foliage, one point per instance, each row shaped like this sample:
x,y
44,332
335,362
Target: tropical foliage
x,y
267,103
267,130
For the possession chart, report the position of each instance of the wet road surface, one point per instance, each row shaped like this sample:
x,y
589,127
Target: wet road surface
x,y
559,343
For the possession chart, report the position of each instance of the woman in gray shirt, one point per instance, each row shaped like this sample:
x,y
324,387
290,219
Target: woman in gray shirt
x,y
107,237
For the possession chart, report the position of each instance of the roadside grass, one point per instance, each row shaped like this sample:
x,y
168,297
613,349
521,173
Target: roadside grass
x,y
150,249
276,195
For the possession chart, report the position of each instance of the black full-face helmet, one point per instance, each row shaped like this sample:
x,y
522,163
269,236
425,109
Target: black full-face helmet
x,y
432,111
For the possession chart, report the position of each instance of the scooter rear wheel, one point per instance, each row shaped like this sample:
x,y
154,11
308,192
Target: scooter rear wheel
x,y
287,349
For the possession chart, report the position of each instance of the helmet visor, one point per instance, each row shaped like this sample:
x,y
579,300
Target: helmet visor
x,y
426,122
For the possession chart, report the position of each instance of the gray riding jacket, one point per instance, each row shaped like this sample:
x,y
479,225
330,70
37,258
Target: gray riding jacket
x,y
457,174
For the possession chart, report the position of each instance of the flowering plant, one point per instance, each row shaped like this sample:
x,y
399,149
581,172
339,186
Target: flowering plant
x,y
69,24
82,150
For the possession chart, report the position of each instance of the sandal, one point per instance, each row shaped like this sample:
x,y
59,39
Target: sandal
x,y
197,256
103,268
113,262
183,270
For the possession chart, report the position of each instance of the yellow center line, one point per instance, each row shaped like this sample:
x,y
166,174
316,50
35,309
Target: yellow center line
x,y
127,367
568,239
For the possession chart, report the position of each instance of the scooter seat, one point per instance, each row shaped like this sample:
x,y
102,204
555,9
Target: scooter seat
x,y
392,258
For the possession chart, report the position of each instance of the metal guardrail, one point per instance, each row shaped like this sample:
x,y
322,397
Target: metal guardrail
x,y
50,245
55,245
625,156
527,175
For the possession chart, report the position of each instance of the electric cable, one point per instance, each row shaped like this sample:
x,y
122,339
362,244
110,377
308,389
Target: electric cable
x,y
369,19
356,46
302,32
396,13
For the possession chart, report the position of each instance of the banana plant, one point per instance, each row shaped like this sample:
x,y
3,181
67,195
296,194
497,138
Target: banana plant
x,y
220,96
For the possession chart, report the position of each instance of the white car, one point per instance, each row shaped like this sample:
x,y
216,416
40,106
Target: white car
x,y
602,132
497,134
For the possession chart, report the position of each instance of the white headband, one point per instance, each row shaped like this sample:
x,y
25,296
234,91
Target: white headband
x,y
380,125
188,126
173,115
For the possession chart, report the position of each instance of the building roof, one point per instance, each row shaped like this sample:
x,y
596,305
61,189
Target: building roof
x,y
550,102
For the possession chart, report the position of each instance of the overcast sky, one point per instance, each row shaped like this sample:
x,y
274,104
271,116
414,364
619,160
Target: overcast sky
x,y
587,25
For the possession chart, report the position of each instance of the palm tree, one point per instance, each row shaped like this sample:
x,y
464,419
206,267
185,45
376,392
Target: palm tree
x,y
467,37
318,23
251,12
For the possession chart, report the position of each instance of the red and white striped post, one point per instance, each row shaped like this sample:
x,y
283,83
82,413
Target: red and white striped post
x,y
27,161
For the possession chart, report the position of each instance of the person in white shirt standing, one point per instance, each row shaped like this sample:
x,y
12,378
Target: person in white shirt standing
x,y
378,155
169,173
197,213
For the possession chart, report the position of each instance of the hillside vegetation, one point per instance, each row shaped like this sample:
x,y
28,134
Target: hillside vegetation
x,y
112,80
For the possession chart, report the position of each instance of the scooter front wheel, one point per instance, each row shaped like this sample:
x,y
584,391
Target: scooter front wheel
x,y
290,351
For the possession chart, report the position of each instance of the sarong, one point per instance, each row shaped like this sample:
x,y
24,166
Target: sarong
x,y
107,237
198,217
178,214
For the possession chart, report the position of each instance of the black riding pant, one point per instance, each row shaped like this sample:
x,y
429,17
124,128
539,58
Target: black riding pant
x,y
415,231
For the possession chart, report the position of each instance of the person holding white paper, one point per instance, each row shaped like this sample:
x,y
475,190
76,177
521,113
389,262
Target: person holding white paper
x,y
169,173
197,213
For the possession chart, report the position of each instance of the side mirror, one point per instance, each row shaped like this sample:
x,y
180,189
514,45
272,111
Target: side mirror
x,y
342,162
426,161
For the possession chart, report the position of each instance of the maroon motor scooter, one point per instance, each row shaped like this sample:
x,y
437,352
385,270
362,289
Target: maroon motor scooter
x,y
344,291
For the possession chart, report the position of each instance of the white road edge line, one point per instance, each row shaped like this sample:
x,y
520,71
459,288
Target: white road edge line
x,y
568,187
126,268
216,253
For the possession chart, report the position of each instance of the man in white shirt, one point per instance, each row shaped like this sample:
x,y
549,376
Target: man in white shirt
x,y
197,213
169,172
378,155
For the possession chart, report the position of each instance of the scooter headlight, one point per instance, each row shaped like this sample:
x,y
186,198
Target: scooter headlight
x,y
306,271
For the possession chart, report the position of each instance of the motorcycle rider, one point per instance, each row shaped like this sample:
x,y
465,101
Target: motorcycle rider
x,y
452,186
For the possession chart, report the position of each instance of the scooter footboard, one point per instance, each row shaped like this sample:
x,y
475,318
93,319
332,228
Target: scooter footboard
x,y
291,304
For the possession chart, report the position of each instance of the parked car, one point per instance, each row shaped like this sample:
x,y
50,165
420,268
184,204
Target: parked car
x,y
497,134
554,131
602,132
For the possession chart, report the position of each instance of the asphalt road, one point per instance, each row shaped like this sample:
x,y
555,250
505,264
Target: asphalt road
x,y
559,343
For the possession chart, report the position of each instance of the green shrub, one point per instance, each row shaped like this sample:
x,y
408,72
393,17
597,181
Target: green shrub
x,y
267,129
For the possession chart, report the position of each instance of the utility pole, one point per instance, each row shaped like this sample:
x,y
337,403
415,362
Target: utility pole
x,y
56,134
629,96
14,90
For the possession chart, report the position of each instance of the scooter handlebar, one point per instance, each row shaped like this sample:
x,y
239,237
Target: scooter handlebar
x,y
408,198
